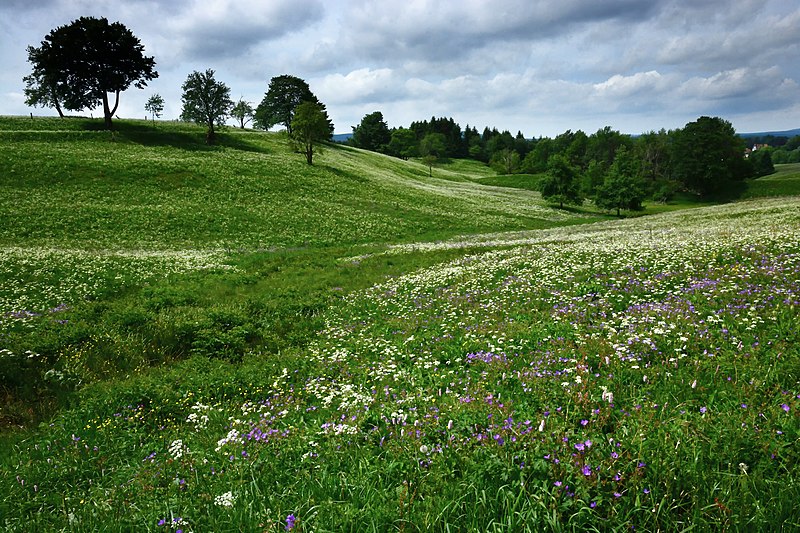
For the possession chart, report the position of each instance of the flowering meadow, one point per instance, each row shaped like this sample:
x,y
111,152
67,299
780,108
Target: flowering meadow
x,y
223,339
640,374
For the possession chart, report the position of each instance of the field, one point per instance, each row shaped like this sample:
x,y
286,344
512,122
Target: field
x,y
226,339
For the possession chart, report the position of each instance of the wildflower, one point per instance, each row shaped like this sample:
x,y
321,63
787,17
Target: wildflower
x,y
785,407
584,422
743,468
224,500
703,410
423,450
586,470
290,522
557,483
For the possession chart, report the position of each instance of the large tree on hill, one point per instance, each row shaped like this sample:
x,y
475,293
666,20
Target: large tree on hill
x,y
243,112
310,127
372,134
206,101
79,64
708,156
283,96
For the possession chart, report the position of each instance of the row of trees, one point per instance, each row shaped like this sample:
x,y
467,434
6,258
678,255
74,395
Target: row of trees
x,y
79,65
705,157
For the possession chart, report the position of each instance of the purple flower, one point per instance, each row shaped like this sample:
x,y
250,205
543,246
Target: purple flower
x,y
587,470
584,422
614,455
557,483
744,406
593,505
703,410
646,491
785,407
290,520
617,494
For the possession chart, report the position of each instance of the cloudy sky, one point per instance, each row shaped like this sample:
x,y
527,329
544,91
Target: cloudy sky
x,y
536,66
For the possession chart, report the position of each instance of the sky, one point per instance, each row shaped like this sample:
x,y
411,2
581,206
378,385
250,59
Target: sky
x,y
536,66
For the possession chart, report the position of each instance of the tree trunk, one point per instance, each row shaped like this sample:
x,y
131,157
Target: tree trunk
x,y
210,135
309,154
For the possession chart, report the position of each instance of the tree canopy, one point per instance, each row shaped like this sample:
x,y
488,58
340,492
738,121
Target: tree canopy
x,y
283,96
622,187
560,184
708,156
155,106
372,134
310,127
243,112
206,101
79,64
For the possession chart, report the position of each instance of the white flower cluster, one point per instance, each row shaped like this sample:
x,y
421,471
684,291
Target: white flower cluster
x,y
232,436
198,418
225,500
177,449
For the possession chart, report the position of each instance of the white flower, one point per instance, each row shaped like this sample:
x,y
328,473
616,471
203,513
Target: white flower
x,y
225,500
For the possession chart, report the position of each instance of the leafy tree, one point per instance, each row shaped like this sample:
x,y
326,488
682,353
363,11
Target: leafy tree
x,y
206,101
403,143
372,134
761,161
708,156
505,161
154,106
603,145
310,127
242,112
560,184
79,64
284,94
432,147
623,187
41,89
536,160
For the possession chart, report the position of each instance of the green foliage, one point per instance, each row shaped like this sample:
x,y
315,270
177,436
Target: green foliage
x,y
154,106
761,161
310,127
243,112
403,143
560,183
206,101
708,157
283,96
80,63
505,161
622,186
372,133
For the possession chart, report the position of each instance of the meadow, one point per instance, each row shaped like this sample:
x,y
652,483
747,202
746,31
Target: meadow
x,y
227,339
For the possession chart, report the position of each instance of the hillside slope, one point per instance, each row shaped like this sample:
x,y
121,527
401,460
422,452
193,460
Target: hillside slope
x,y
150,186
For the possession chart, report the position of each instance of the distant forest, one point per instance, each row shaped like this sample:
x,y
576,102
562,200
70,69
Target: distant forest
x,y
663,162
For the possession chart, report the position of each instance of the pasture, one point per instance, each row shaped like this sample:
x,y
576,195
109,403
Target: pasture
x,y
225,339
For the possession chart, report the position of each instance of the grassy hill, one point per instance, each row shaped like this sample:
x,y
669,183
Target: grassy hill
x,y
225,339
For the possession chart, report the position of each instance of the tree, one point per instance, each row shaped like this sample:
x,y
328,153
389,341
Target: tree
x,y
284,94
761,161
623,187
505,161
79,64
403,143
708,156
372,134
310,127
431,148
560,184
154,106
243,112
206,101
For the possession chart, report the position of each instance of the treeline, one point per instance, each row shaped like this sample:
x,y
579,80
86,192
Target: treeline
x,y
706,157
779,149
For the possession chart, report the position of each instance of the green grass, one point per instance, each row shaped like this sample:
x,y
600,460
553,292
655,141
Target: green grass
x,y
342,345
784,182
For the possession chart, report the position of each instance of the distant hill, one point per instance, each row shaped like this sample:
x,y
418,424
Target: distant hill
x,y
785,133
341,137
